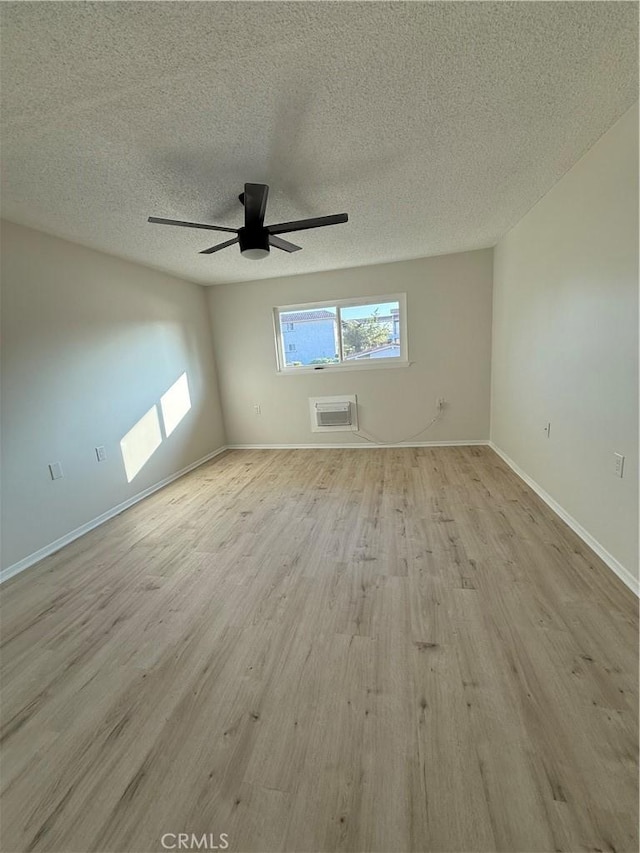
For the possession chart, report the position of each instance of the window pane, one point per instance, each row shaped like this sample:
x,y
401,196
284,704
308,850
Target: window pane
x,y
371,331
309,336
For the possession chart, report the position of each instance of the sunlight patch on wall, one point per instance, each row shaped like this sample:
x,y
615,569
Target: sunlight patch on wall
x,y
139,444
175,404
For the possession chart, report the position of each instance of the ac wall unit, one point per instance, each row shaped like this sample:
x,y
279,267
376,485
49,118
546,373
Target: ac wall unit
x,y
333,414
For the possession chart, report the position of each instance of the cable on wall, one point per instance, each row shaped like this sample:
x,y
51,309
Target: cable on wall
x,y
375,440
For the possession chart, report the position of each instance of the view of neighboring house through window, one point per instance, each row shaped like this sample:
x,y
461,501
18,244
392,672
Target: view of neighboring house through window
x,y
345,332
309,337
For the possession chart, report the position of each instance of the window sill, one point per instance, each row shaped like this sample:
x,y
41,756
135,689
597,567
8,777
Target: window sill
x,y
341,368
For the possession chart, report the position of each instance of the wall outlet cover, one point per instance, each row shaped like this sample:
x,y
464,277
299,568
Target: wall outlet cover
x,y
619,464
55,469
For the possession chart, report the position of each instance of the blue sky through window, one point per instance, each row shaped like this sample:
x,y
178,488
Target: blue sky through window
x,y
357,312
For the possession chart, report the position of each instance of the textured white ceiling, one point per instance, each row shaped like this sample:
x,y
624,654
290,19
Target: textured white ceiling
x,y
436,126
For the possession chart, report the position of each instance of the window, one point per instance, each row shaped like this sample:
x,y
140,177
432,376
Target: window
x,y
353,333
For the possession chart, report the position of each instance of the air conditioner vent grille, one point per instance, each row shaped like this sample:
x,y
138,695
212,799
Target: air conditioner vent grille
x,y
337,415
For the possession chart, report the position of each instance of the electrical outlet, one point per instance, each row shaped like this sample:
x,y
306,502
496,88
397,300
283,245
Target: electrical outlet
x,y
55,469
101,454
619,464
257,408
547,429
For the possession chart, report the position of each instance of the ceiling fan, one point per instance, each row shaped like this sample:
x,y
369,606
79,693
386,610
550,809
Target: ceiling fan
x,y
256,238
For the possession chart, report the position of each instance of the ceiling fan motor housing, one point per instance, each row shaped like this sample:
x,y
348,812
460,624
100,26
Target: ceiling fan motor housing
x,y
254,242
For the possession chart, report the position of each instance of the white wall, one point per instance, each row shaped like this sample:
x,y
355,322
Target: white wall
x,y
565,342
89,344
449,334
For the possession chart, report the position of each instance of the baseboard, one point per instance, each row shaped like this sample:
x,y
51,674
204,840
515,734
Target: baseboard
x,y
353,444
41,553
624,574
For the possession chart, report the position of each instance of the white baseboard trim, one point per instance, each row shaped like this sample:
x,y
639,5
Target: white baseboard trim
x,y
353,444
41,553
624,574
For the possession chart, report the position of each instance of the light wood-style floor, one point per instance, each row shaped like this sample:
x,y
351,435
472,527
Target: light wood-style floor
x,y
340,650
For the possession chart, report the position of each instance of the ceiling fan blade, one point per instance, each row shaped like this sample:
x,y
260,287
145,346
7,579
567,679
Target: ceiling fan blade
x,y
303,224
159,221
255,204
218,247
283,244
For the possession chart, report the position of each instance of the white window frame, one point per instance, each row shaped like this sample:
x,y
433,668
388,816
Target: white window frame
x,y
364,364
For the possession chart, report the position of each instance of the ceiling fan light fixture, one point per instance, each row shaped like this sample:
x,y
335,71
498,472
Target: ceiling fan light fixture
x,y
254,241
254,254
